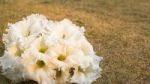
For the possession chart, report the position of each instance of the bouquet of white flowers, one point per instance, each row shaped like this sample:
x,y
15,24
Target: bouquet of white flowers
x,y
48,52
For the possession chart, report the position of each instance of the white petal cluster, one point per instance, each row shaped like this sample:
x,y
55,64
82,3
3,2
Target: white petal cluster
x,y
48,52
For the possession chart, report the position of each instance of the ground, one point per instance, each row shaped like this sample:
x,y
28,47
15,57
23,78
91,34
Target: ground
x,y
119,30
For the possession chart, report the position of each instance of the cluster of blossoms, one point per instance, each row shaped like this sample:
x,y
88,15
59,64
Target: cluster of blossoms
x,y
48,52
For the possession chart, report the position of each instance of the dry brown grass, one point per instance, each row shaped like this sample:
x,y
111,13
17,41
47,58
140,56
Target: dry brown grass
x,y
119,30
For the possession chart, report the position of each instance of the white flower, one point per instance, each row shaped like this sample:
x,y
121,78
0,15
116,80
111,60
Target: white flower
x,y
49,52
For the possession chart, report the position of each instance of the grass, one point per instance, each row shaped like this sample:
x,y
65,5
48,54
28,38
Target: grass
x,y
118,30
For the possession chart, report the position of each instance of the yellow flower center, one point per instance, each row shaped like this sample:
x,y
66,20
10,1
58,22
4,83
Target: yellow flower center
x,y
40,63
61,57
80,69
43,49
18,51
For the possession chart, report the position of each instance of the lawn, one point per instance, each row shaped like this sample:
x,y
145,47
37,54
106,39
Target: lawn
x,y
119,30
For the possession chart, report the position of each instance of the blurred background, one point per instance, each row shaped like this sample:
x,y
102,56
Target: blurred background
x,y
119,30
